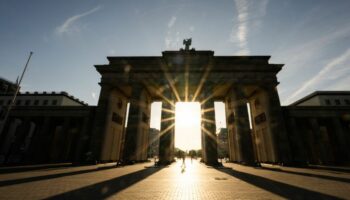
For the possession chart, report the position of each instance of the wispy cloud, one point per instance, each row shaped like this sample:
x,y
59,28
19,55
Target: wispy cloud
x,y
171,22
68,26
338,65
172,39
239,33
297,62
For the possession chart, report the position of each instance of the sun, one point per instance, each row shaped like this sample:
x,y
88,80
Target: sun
x,y
187,125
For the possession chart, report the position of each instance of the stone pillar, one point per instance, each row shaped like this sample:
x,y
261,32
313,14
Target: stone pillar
x,y
101,118
133,130
230,129
79,155
40,140
341,140
209,147
241,126
299,155
167,131
316,144
276,125
59,140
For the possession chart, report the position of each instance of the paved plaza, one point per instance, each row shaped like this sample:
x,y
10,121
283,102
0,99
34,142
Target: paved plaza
x,y
192,181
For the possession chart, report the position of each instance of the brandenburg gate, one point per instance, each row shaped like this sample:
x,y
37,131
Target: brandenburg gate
x,y
189,75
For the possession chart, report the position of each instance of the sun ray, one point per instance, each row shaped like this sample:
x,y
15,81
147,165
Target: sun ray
x,y
186,81
208,110
171,82
208,120
168,110
201,82
213,136
167,129
159,91
168,119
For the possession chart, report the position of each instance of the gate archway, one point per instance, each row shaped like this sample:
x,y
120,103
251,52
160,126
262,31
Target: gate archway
x,y
189,75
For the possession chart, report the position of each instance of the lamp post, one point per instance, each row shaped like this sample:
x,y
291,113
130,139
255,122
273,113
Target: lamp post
x,y
14,96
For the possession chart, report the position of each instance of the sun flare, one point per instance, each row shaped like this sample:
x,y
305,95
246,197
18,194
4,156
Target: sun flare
x,y
187,125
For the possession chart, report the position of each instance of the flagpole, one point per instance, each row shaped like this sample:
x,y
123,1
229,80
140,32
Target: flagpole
x,y
14,96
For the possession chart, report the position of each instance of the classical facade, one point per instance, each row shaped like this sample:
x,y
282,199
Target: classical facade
x,y
319,128
189,75
297,134
44,127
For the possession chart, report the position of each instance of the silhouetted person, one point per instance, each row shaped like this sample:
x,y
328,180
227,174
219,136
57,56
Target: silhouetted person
x,y
183,161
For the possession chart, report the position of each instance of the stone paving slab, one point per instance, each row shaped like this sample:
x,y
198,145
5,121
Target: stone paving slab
x,y
191,181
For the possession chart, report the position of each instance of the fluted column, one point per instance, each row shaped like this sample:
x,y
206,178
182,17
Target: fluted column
x,y
134,123
276,125
299,156
209,147
82,138
241,126
167,131
341,141
100,121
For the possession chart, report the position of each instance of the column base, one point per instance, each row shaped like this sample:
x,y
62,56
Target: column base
x,y
213,163
164,163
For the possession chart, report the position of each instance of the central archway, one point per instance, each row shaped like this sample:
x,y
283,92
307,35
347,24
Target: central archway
x,y
188,126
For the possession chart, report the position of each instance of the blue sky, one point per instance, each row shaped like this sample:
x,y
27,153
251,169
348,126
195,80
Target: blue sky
x,y
311,37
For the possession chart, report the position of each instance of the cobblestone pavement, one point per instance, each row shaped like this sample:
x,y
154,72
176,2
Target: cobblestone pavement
x,y
192,181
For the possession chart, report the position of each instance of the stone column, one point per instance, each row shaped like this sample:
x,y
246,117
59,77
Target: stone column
x,y
79,155
101,117
40,143
209,147
341,140
317,146
134,123
167,131
241,126
59,140
276,125
230,129
300,156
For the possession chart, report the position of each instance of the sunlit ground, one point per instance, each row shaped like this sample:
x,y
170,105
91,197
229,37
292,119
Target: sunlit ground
x,y
187,126
186,171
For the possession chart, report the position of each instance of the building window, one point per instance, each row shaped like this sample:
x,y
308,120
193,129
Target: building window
x,y
8,102
337,102
328,102
54,102
1,102
36,102
347,102
45,102
18,102
27,102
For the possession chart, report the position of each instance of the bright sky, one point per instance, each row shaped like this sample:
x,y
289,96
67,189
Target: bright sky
x,y
311,37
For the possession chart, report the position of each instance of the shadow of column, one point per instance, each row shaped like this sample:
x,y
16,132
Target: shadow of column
x,y
107,188
282,189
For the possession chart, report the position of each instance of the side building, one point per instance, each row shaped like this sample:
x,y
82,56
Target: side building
x,y
45,127
319,128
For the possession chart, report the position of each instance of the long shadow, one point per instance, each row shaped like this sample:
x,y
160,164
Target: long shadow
x,y
279,188
16,169
107,188
345,180
329,168
51,176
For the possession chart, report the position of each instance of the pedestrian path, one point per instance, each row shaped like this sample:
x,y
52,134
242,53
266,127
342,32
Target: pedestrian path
x,y
192,181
